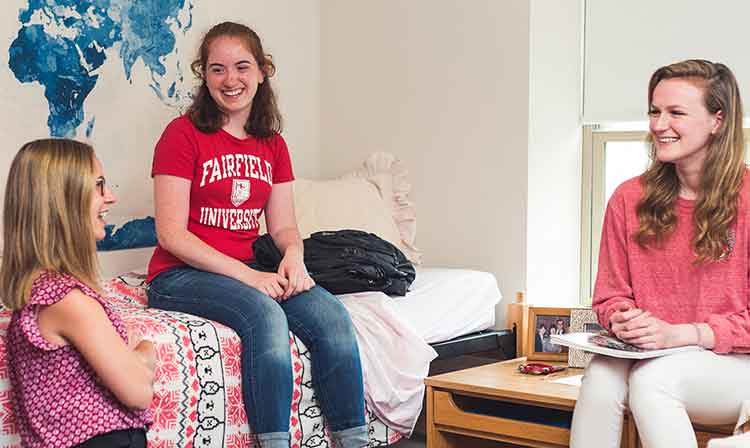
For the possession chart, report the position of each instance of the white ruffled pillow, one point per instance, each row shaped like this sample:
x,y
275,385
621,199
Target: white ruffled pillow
x,y
374,198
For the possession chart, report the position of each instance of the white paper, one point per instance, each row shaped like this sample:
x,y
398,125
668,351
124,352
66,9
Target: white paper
x,y
574,380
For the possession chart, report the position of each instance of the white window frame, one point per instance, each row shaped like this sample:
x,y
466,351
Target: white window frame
x,y
593,202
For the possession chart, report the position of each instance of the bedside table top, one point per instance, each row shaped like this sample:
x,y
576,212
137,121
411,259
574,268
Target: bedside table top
x,y
503,381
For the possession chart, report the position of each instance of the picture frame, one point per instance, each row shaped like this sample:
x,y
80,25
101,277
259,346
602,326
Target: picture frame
x,y
582,320
541,323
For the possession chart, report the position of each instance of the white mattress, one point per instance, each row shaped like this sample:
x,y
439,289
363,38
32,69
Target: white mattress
x,y
445,303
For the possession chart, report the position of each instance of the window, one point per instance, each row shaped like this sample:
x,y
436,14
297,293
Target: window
x,y
609,158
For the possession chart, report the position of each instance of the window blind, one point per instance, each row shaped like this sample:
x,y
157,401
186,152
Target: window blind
x,y
625,41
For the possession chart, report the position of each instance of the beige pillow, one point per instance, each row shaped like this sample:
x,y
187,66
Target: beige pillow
x,y
344,204
389,174
374,199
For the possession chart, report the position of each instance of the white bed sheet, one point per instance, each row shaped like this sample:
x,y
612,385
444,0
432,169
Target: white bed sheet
x,y
395,359
393,334
444,303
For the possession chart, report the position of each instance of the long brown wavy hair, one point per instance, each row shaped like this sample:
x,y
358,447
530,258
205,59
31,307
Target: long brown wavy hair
x,y
47,217
265,118
723,169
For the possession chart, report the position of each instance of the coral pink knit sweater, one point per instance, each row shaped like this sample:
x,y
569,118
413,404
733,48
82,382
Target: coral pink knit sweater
x,y
665,281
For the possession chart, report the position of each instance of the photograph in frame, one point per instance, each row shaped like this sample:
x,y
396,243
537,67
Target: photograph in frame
x,y
542,323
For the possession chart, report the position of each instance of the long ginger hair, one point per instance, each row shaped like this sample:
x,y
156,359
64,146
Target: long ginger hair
x,y
722,173
47,217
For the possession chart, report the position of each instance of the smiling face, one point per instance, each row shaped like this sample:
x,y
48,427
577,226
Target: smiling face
x,y
101,200
232,77
680,124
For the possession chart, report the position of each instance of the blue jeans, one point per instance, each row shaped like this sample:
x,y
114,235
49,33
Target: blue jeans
x,y
315,316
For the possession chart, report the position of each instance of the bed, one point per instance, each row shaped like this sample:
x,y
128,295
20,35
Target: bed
x,y
436,290
198,401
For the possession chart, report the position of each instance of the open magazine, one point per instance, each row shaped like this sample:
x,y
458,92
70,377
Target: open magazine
x,y
606,344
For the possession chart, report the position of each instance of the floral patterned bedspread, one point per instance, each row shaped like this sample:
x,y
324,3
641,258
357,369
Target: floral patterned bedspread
x,y
197,392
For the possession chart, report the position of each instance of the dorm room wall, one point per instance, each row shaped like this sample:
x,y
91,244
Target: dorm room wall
x,y
554,176
445,86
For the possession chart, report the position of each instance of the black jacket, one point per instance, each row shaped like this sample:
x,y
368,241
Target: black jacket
x,y
346,261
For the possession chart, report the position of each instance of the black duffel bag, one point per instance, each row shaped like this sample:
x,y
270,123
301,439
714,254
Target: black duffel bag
x,y
346,261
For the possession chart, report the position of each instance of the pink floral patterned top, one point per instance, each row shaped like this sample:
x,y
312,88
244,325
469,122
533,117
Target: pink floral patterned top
x,y
58,399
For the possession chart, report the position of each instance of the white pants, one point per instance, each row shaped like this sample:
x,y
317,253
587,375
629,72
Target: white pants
x,y
663,394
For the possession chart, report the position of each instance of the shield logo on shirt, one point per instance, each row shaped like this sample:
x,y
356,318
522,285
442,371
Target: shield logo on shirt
x,y
240,191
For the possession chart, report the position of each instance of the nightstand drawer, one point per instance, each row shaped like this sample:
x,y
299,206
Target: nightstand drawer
x,y
488,418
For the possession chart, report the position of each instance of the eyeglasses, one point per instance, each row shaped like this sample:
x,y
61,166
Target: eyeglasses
x,y
101,184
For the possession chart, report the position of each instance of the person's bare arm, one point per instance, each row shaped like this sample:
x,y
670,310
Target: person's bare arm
x,y
282,226
82,322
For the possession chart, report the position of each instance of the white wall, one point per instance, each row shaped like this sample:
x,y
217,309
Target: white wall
x,y
291,31
444,86
626,41
554,176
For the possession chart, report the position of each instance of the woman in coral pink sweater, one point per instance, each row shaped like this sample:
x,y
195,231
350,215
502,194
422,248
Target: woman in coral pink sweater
x,y
673,270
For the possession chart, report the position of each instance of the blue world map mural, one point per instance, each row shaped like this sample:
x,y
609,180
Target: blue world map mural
x,y
62,44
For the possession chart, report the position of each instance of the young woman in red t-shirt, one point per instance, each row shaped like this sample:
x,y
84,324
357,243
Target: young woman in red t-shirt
x,y
673,270
216,171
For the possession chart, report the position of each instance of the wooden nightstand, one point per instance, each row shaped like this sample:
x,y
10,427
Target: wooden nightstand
x,y
496,403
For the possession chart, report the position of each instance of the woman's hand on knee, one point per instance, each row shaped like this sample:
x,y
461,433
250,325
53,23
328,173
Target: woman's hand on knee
x,y
269,283
294,271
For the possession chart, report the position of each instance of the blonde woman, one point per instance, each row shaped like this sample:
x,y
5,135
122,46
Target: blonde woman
x,y
673,270
68,353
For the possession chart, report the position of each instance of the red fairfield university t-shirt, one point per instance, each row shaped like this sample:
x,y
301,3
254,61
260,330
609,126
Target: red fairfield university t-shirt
x,y
231,182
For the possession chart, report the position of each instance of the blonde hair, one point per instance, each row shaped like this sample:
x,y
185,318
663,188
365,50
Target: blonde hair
x,y
723,169
47,217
